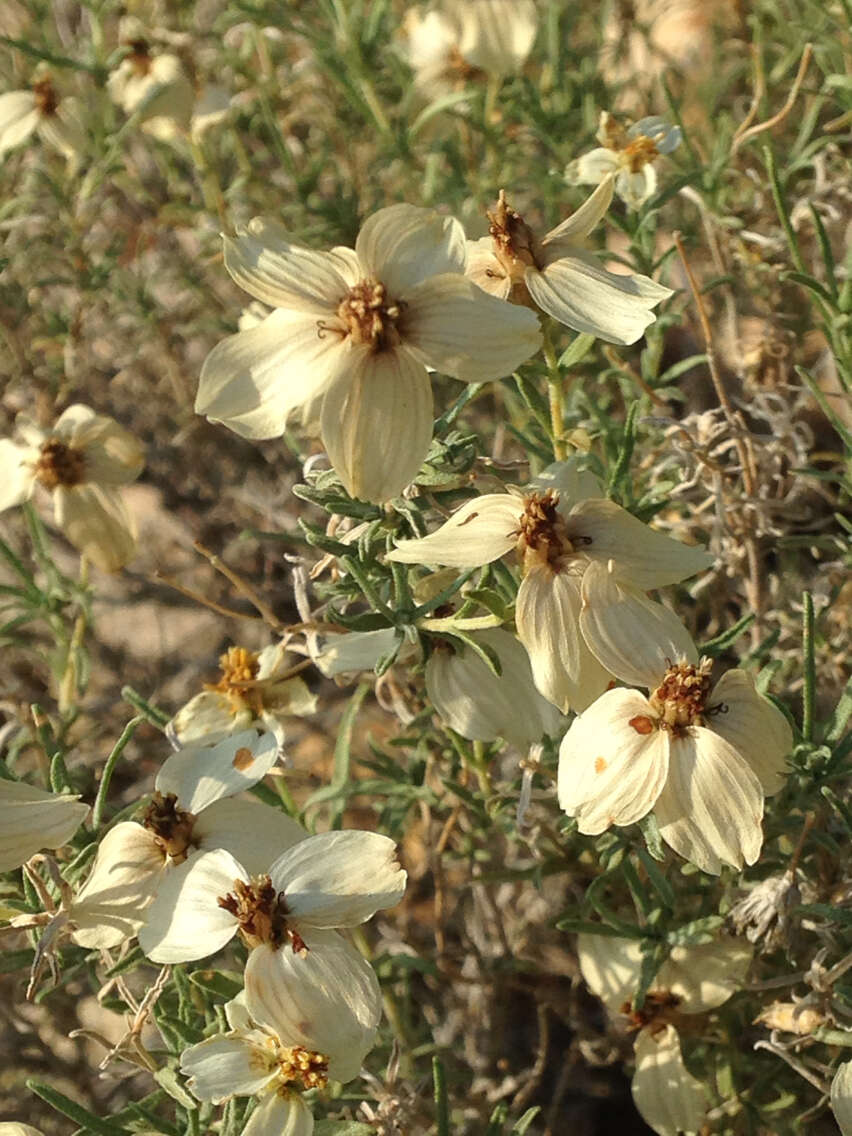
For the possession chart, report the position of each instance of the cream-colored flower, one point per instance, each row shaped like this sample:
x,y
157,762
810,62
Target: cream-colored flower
x,y
628,154
481,705
31,819
253,691
450,44
83,461
692,980
358,329
253,1060
41,111
701,757
191,813
156,87
557,275
585,562
13,1128
841,1097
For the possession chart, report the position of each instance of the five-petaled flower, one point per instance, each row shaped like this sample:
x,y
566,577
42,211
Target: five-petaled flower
x,y
628,155
359,328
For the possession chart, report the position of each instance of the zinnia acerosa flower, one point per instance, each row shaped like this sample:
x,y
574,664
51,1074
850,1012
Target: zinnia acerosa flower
x,y
585,563
154,85
557,275
450,44
31,819
191,813
41,111
253,691
628,155
701,757
83,461
253,1060
692,980
359,328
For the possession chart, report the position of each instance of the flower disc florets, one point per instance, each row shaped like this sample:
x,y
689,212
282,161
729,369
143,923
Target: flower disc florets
x,y
46,99
656,1012
240,668
59,464
261,912
370,315
543,534
170,824
680,699
297,1064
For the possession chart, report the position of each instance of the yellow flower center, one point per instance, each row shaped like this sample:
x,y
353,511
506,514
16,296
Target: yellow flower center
x,y
638,153
261,912
543,539
59,464
370,316
680,701
239,681
297,1064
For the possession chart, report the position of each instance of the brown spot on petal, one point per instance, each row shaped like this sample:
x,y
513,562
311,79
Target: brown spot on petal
x,y
242,758
600,764
642,724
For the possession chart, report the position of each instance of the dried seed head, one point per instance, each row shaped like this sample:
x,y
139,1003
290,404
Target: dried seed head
x,y
681,698
515,245
46,99
370,315
60,465
261,912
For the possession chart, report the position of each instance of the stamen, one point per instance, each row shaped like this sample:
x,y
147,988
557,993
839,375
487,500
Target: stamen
x,y
239,668
681,698
370,315
543,538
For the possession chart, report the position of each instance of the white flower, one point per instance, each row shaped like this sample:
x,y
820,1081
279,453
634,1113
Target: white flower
x,y
253,1060
557,275
841,1097
250,693
628,155
41,111
83,461
482,706
359,328
355,651
447,45
702,759
302,979
585,563
31,819
692,980
190,814
155,87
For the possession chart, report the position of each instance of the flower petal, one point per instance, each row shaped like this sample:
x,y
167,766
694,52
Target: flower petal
x,y
756,729
326,999
497,35
631,635
669,1098
252,381
339,879
278,1115
377,424
113,456
208,718
611,966
634,188
573,483
224,1066
255,834
404,244
110,907
584,296
271,268
18,118
841,1097
705,976
18,465
200,775
547,615
484,269
613,762
711,807
483,706
564,239
641,556
457,328
591,168
31,819
185,921
98,523
355,651
480,531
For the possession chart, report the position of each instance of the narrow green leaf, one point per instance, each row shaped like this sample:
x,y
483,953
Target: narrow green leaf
x,y
87,1120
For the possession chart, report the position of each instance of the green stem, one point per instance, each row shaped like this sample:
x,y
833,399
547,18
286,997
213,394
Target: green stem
x,y
555,397
442,1109
809,687
111,762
